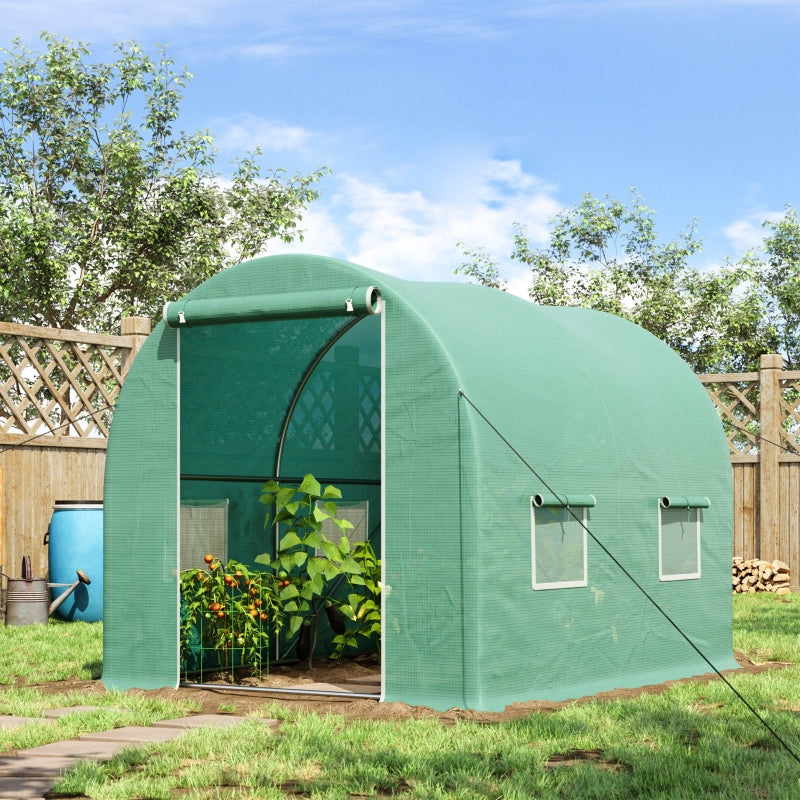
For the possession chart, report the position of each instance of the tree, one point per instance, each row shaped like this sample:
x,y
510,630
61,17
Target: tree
x,y
605,255
106,208
776,280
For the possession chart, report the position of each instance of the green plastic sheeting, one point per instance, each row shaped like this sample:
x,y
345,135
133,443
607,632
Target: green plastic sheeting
x,y
140,556
443,416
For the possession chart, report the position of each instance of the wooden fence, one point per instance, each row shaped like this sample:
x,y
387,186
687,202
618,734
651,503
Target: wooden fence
x,y
58,389
57,394
760,413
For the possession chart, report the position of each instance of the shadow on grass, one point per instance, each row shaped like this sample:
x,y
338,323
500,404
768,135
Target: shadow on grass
x,y
94,668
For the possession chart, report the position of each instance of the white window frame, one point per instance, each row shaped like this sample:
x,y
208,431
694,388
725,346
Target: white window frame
x,y
354,511
203,528
694,516
573,512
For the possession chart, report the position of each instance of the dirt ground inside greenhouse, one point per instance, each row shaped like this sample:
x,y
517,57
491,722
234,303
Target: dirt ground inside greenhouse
x,y
361,672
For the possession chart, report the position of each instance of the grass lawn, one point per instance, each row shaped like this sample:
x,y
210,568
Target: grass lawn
x,y
696,740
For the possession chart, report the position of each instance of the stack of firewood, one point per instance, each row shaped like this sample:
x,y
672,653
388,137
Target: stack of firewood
x,y
755,575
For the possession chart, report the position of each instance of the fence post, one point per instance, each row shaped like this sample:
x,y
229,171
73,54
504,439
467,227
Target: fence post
x,y
769,458
138,328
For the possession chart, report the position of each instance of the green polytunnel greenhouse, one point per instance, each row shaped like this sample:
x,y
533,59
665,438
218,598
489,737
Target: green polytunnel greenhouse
x,y
514,466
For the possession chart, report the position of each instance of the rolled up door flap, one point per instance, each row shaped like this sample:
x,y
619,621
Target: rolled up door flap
x,y
358,302
684,501
579,500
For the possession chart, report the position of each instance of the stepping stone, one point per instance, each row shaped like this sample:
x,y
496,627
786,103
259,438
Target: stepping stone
x,y
9,722
34,766
132,734
56,713
32,788
78,749
218,720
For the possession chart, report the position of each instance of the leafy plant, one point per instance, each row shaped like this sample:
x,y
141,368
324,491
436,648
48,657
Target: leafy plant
x,y
309,565
107,207
606,255
363,605
229,610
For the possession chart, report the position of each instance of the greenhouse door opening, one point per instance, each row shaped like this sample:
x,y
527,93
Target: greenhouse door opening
x,y
269,401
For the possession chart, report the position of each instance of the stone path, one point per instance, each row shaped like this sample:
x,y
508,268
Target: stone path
x,y
30,773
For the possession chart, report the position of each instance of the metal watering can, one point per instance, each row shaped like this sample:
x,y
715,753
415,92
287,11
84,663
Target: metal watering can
x,y
28,599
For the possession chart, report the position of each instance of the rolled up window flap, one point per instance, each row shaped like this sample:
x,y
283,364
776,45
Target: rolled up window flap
x,y
684,501
359,302
564,500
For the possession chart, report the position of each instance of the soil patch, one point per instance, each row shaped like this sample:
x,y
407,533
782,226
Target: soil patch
x,y
222,693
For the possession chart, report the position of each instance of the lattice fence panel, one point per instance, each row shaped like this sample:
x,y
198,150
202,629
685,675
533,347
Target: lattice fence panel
x,y
790,412
369,395
59,386
314,424
736,397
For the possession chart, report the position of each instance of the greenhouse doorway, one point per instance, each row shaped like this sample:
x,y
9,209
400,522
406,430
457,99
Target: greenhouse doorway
x,y
311,403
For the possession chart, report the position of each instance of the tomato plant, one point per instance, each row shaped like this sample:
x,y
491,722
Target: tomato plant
x,y
231,608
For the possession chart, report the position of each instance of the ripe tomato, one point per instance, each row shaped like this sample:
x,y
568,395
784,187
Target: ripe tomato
x,y
208,558
263,615
214,607
221,614
229,579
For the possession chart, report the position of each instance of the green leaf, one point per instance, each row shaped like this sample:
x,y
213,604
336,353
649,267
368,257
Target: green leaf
x,y
330,550
331,493
317,584
270,487
307,591
263,558
289,540
310,486
286,561
344,546
349,565
312,540
288,592
316,566
330,571
294,624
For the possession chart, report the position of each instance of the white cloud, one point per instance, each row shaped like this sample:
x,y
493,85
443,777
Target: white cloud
x,y
748,232
410,235
247,131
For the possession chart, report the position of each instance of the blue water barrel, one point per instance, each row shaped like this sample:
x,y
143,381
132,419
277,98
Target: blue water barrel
x,y
76,543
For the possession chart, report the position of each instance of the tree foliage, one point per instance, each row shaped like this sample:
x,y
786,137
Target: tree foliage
x,y
106,207
606,255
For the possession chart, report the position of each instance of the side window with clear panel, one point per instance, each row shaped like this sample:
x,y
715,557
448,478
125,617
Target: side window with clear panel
x,y
679,519
558,540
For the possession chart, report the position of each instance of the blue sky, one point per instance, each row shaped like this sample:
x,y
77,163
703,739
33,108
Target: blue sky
x,y
446,121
